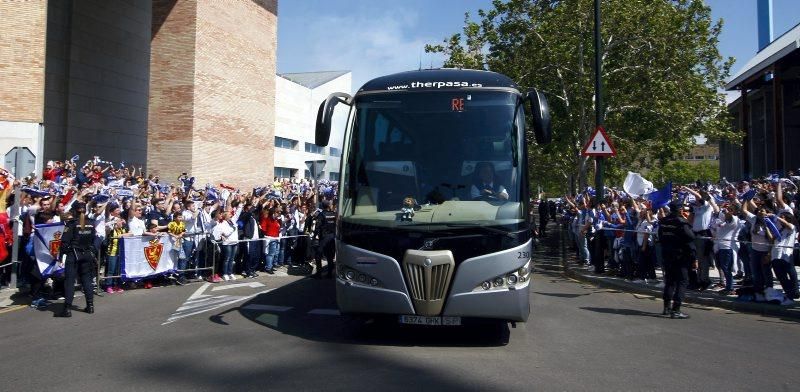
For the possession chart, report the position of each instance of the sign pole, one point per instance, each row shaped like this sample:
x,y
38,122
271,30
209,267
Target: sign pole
x,y
598,100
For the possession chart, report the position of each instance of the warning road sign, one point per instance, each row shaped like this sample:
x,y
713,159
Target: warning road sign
x,y
599,145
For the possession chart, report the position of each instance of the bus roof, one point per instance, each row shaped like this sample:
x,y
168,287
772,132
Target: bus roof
x,y
438,79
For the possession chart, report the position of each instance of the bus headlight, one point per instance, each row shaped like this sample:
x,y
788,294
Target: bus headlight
x,y
512,279
508,280
357,277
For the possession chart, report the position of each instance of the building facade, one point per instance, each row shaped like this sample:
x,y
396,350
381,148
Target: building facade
x,y
298,98
170,85
767,112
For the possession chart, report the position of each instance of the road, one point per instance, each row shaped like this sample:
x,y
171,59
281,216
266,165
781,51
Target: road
x,y
283,333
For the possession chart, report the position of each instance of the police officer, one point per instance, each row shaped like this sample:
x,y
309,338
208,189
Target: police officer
x,y
677,243
77,257
325,233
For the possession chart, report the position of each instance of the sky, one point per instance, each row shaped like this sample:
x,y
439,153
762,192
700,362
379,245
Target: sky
x,y
372,38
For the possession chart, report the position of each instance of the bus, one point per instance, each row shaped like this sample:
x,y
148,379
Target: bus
x,y
432,213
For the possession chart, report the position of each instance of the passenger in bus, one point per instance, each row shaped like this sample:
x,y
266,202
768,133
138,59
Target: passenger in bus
x,y
484,185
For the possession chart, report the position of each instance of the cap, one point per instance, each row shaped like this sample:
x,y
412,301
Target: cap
x,y
78,206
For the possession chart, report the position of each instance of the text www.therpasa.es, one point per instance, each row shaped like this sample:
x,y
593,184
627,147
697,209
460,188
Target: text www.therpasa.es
x,y
433,85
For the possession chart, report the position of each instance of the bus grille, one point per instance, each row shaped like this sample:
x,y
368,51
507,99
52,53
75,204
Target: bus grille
x,y
428,274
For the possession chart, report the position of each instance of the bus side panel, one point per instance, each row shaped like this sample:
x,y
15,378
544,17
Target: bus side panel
x,y
467,301
389,296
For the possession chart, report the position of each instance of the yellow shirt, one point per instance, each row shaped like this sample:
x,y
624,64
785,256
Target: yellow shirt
x,y
176,228
113,243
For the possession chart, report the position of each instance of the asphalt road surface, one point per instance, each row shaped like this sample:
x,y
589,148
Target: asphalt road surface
x,y
284,333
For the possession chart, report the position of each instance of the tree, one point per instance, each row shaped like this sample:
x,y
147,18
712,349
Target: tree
x,y
682,172
662,74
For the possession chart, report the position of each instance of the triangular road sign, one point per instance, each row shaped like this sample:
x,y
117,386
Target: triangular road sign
x,y
599,145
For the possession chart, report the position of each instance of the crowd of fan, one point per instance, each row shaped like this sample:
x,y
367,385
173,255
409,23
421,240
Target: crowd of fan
x,y
747,231
212,228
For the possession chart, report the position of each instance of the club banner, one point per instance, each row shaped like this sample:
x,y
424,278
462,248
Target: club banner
x,y
146,256
46,243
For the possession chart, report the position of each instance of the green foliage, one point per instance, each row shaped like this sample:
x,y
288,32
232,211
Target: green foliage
x,y
682,172
661,74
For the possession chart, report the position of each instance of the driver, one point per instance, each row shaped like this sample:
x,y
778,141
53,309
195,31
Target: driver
x,y
484,184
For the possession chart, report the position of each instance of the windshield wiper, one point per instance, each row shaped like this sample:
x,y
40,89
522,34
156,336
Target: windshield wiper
x,y
490,229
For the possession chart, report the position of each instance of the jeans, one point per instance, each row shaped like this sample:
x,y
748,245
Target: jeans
x,y
725,262
744,259
612,262
273,252
703,247
628,261
188,248
228,254
583,247
112,269
787,275
254,252
646,266
762,275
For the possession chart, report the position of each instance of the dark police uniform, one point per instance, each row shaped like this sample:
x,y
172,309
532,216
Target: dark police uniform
x,y
77,246
325,232
677,244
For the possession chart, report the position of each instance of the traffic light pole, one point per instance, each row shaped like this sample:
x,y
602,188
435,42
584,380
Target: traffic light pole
x,y
598,99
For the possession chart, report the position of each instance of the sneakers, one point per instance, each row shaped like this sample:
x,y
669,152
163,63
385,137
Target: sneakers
x,y
638,281
232,277
118,289
148,285
677,314
215,278
225,278
271,271
787,301
181,281
109,290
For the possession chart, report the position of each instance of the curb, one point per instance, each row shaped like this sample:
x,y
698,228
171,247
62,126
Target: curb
x,y
691,297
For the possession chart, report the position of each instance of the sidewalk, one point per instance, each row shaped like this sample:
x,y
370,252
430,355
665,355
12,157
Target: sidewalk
x,y
554,254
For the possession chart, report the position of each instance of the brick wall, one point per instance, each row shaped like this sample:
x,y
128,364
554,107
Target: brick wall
x,y
235,91
172,67
22,46
231,100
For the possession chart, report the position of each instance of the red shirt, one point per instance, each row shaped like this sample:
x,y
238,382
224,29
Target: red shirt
x,y
49,175
271,227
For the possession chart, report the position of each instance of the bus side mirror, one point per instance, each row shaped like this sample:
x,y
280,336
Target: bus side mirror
x,y
322,132
541,117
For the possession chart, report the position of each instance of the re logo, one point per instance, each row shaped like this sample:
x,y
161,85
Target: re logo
x,y
458,104
152,253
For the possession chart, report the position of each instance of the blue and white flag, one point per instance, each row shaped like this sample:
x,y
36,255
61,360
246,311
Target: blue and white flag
x,y
660,198
46,244
146,256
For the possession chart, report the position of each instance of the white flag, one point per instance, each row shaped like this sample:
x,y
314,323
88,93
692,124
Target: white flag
x,y
146,256
636,185
46,244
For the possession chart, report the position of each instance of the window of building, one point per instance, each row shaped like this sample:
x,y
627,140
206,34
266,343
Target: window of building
x,y
335,152
284,172
698,157
282,142
333,176
313,148
711,157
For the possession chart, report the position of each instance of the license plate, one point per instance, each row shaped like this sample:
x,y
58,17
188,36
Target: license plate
x,y
423,320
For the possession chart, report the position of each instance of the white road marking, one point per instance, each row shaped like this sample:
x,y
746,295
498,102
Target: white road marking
x,y
237,285
200,303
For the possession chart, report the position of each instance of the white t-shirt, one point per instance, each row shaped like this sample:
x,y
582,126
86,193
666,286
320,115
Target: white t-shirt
x,y
644,226
726,233
223,228
784,248
136,226
702,217
758,236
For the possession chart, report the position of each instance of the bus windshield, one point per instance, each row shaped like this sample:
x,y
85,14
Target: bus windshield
x,y
435,159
